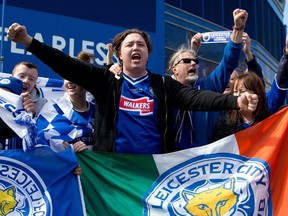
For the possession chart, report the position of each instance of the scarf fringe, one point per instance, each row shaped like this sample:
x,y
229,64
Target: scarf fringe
x,y
26,119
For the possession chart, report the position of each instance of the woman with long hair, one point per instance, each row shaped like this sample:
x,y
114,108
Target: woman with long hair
x,y
237,120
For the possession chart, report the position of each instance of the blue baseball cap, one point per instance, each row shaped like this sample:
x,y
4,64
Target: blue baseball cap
x,y
14,84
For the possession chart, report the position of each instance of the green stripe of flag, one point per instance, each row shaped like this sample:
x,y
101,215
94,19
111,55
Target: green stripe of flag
x,y
110,187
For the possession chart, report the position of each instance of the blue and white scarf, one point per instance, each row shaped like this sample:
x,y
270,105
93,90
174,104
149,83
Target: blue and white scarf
x,y
21,122
58,122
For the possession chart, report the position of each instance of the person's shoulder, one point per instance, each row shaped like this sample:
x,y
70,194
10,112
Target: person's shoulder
x,y
165,79
152,74
155,77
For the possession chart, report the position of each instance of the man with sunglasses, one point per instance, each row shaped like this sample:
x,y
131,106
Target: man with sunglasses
x,y
192,129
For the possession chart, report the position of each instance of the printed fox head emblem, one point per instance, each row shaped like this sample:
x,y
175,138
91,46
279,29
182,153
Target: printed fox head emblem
x,y
7,201
216,201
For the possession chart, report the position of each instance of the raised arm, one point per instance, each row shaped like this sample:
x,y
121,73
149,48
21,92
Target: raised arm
x,y
219,78
282,73
240,17
66,66
278,91
250,59
247,47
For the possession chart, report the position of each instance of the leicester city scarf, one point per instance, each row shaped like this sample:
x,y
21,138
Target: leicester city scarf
x,y
58,122
13,114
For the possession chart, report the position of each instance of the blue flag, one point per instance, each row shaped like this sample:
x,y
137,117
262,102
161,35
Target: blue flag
x,y
39,182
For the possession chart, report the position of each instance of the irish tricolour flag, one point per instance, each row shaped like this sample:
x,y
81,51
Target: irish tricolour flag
x,y
243,174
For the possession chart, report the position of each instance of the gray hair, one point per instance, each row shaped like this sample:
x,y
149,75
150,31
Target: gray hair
x,y
176,55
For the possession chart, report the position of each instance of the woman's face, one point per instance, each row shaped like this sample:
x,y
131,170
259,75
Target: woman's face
x,y
239,88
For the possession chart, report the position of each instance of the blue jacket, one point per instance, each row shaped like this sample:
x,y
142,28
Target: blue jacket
x,y
278,91
204,122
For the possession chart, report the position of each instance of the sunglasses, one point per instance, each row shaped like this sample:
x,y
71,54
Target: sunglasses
x,y
188,61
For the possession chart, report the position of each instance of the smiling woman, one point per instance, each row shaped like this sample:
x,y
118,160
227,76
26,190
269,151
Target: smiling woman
x,y
77,96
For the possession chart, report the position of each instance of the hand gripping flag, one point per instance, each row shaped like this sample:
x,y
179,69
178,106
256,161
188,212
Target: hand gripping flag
x,y
243,174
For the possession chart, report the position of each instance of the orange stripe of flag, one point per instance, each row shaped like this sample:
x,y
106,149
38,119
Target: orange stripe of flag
x,y
268,140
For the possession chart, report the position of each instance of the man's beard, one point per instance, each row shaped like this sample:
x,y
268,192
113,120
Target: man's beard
x,y
192,79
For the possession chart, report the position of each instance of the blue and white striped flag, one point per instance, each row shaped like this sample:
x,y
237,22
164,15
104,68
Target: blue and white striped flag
x,y
58,122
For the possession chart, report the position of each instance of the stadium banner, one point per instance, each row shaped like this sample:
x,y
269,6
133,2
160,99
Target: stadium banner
x,y
243,174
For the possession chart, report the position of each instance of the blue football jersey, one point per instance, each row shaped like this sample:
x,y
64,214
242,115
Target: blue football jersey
x,y
137,123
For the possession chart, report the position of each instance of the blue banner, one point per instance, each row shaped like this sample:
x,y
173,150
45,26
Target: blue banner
x,y
39,182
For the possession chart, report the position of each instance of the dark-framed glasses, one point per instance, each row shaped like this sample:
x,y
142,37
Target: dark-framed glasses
x,y
188,61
